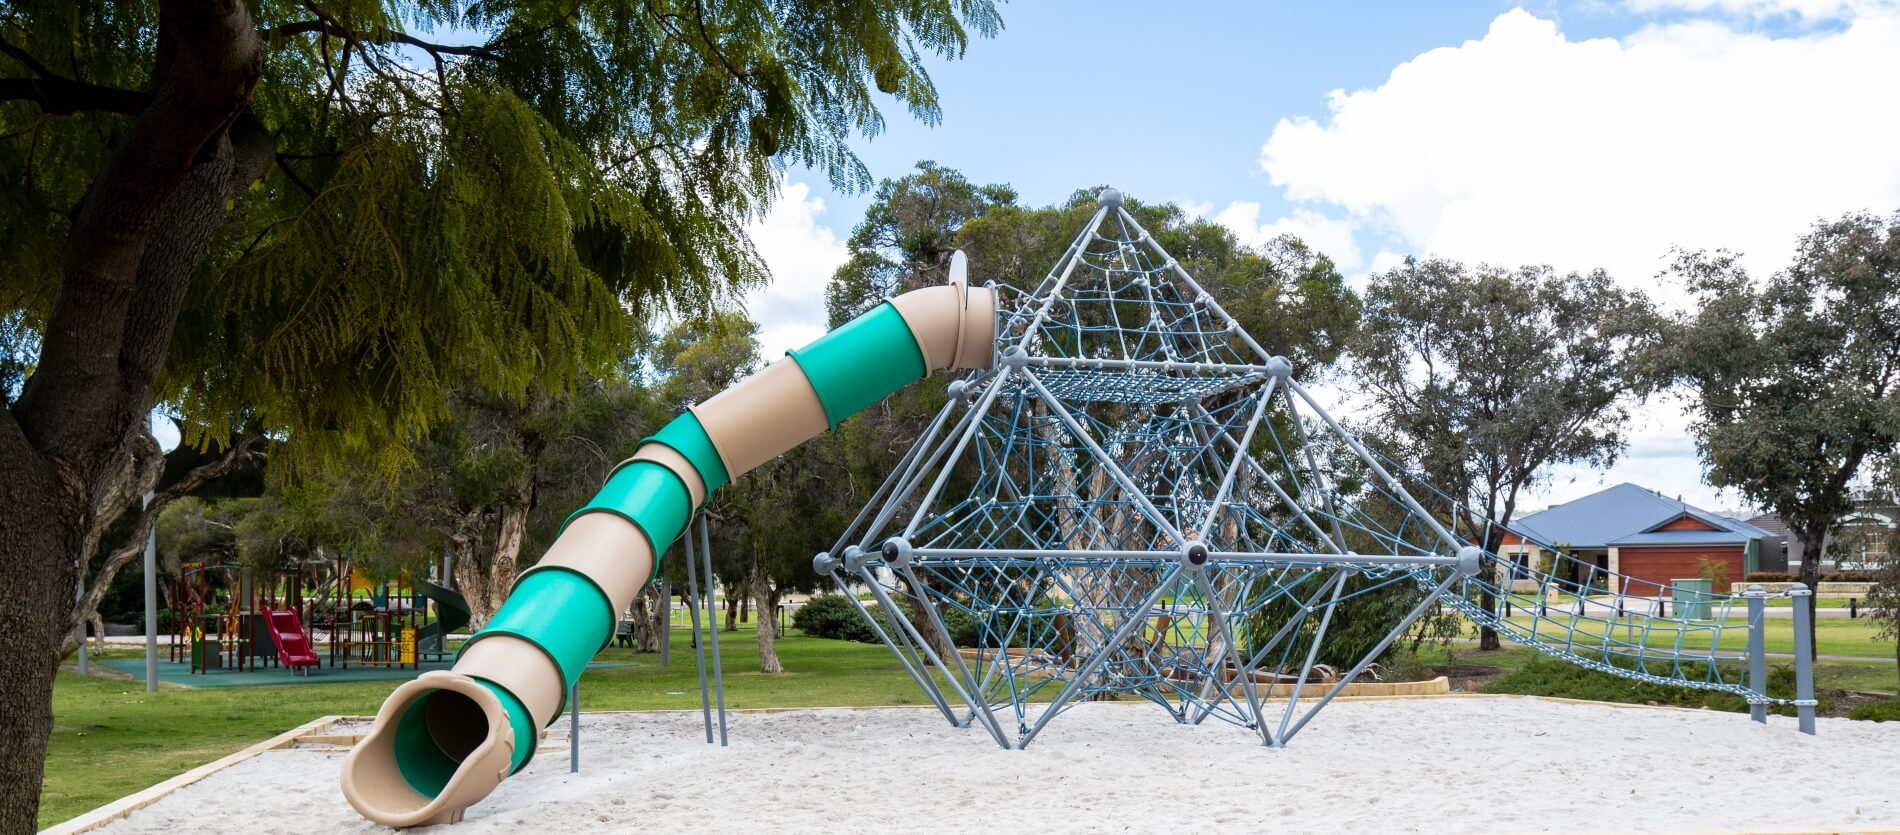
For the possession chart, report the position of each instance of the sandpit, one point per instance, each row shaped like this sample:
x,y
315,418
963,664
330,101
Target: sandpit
x,y
1436,765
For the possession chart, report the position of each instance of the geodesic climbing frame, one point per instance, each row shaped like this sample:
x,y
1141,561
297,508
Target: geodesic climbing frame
x,y
1138,499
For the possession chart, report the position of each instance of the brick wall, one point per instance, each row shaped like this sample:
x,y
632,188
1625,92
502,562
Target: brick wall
x,y
1660,564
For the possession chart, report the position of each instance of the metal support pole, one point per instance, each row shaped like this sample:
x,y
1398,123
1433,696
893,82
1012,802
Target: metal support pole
x,y
1757,656
920,671
1803,656
979,700
719,667
151,606
1130,622
666,632
699,640
1391,636
574,727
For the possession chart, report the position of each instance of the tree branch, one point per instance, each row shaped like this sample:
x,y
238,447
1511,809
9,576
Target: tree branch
x,y
239,455
63,96
327,25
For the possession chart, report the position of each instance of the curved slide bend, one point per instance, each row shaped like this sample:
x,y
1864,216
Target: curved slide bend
x,y
445,740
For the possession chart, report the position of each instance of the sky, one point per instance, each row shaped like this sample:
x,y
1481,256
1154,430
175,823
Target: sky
x,y
1601,133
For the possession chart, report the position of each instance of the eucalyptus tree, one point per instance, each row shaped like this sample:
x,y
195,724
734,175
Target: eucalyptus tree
x,y
1483,380
350,208
1797,377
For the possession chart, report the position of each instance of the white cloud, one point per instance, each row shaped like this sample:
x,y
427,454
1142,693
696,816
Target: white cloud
x,y
802,254
1333,236
1803,9
1527,147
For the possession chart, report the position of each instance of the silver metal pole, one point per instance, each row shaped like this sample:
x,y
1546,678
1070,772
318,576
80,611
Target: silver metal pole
x,y
922,677
979,699
718,665
151,605
699,640
574,727
1757,656
1130,622
666,632
1803,656
1346,679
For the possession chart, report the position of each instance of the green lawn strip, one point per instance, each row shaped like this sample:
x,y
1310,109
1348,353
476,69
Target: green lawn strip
x,y
111,738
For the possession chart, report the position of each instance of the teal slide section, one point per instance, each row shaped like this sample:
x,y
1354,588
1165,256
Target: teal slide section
x,y
568,616
861,362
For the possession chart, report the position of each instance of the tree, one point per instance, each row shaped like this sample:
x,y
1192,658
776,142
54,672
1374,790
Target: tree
x,y
481,476
1485,379
1883,599
349,220
1797,378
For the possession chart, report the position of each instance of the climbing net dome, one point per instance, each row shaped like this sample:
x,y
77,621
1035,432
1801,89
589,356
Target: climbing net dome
x,y
1138,500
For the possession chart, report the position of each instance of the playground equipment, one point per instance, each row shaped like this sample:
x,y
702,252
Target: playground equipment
x,y
446,739
1141,500
1123,492
291,639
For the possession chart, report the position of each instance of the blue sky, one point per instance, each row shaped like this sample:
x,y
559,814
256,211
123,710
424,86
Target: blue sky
x,y
1597,134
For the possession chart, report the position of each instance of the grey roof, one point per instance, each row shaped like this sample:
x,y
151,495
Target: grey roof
x,y
1628,514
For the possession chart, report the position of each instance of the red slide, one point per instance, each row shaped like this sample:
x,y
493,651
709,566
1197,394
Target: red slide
x,y
293,646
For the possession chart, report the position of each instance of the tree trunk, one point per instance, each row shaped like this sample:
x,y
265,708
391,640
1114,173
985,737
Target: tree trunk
x,y
502,569
768,627
239,455
1487,636
745,608
1813,550
732,610
659,622
135,240
471,579
42,523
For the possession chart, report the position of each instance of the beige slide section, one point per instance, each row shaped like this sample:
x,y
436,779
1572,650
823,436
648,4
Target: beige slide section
x,y
519,667
762,416
462,717
954,324
607,549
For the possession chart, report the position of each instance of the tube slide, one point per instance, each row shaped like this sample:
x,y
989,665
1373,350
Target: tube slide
x,y
445,740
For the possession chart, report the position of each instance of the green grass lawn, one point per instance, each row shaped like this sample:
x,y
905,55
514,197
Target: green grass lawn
x,y
111,738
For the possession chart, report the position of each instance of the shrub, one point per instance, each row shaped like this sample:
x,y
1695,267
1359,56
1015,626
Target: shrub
x,y
1770,577
1887,711
1714,571
1848,577
834,616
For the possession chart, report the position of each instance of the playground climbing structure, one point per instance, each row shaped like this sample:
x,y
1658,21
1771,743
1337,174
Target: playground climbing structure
x,y
1125,493
1140,499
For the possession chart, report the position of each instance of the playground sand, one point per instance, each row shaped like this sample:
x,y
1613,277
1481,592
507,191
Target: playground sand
x,y
1426,765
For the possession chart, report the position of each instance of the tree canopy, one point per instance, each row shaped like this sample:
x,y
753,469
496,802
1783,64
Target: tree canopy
x,y
1483,379
1797,377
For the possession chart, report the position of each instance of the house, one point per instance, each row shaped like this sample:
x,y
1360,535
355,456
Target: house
x,y
1635,532
1865,531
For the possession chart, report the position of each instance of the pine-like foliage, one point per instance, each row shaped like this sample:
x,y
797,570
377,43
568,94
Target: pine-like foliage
x,y
499,192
